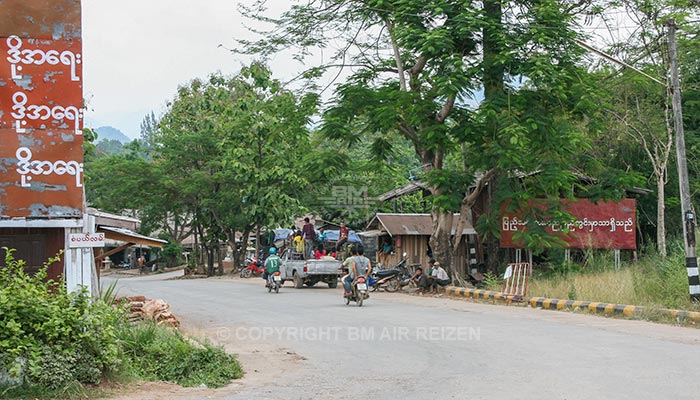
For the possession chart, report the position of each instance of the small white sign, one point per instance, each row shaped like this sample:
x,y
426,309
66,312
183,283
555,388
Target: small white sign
x,y
86,240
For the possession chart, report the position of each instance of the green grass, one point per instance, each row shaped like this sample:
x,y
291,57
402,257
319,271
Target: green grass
x,y
651,282
160,353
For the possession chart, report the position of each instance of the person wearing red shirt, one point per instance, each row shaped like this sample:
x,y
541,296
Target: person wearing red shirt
x,y
343,235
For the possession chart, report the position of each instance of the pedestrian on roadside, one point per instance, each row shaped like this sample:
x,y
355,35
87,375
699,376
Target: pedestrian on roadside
x,y
440,277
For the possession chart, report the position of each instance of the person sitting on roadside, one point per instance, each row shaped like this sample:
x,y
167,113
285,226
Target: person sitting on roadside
x,y
440,277
429,276
420,280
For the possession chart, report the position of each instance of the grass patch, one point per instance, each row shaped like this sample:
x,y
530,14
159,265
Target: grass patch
x,y
159,353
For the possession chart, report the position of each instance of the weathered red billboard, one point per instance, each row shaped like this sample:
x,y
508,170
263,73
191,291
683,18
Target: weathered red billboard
x,y
602,225
41,109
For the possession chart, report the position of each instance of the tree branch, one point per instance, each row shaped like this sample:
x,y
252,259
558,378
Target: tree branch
x,y
446,108
467,204
397,56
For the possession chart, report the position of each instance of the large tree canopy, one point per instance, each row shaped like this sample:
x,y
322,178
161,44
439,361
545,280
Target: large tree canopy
x,y
495,84
233,146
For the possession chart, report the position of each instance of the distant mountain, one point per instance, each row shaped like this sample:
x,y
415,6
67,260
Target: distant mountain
x,y
111,133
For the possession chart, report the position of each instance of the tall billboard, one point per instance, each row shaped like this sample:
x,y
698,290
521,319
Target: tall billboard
x,y
601,225
41,109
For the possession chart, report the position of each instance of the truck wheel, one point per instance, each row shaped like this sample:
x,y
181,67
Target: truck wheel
x,y
298,282
333,284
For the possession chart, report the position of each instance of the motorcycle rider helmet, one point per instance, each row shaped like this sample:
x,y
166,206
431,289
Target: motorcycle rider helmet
x,y
273,250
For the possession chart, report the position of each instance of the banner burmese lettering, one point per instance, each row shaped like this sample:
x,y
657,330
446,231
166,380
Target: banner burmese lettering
x,y
605,225
41,109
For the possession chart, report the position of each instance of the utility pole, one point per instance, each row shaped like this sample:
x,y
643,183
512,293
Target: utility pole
x,y
688,215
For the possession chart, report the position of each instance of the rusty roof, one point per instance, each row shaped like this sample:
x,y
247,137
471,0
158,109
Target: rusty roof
x,y
411,187
408,224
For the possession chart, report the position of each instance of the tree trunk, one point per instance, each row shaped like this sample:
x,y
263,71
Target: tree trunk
x,y
493,93
219,260
440,241
199,265
238,254
210,259
492,244
660,216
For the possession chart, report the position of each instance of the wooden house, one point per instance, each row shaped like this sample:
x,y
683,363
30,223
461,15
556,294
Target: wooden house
x,y
410,234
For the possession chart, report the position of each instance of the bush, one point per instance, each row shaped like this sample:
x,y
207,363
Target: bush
x,y
52,342
49,337
171,254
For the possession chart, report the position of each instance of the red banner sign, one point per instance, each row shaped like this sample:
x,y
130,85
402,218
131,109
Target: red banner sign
x,y
42,174
605,225
41,109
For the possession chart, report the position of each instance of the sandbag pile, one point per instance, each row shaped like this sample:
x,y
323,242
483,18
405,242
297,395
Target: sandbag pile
x,y
143,309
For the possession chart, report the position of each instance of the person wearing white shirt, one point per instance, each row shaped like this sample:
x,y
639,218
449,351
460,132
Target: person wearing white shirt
x,y
439,276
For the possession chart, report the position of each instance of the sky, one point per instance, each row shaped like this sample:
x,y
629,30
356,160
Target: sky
x,y
137,52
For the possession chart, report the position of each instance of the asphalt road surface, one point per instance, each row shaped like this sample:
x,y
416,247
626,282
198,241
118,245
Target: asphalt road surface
x,y
307,344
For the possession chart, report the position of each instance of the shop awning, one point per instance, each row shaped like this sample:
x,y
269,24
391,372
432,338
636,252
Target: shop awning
x,y
125,235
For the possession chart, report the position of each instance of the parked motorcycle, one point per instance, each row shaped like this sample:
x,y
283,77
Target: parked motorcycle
x,y
359,291
253,268
390,279
274,282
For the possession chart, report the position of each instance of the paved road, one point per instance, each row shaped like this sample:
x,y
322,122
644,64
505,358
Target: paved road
x,y
408,347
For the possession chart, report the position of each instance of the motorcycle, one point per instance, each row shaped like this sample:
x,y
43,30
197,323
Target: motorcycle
x,y
274,282
254,268
359,291
392,279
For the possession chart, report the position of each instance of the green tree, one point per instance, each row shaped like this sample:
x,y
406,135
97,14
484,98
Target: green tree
x,y
232,147
496,83
638,117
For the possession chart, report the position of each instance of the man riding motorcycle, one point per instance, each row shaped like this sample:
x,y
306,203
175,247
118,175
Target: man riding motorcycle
x,y
272,265
359,265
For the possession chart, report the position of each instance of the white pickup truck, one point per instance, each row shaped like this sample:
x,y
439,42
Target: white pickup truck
x,y
310,272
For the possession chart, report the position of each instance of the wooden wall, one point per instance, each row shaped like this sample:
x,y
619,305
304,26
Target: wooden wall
x,y
35,246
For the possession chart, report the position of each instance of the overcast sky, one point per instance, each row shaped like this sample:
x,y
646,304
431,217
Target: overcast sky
x,y
137,52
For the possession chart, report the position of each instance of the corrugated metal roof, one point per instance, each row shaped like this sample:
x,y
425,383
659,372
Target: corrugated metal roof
x,y
408,224
126,235
411,187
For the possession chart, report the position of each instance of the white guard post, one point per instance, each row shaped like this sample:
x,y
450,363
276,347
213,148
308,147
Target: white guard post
x,y
79,259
